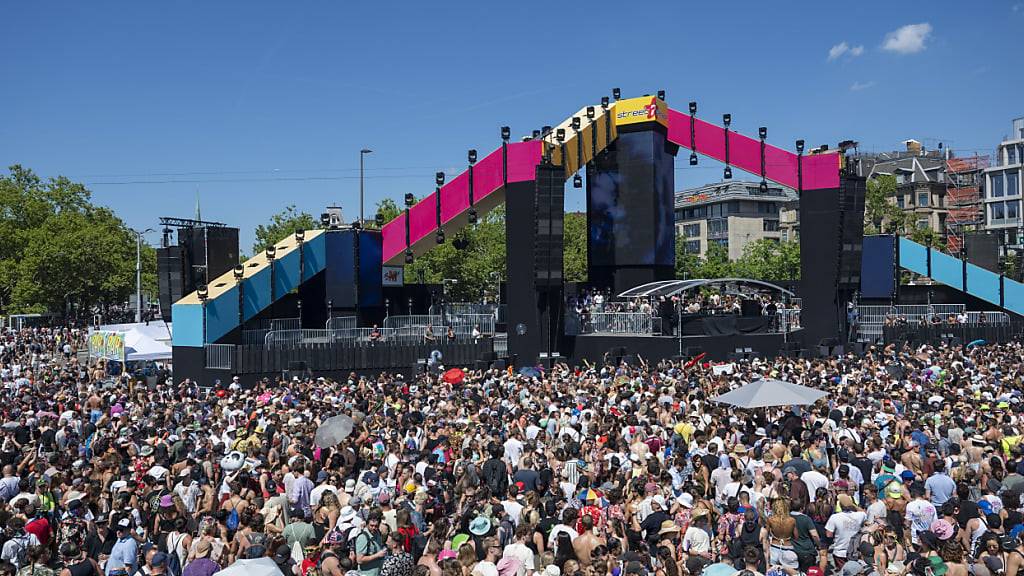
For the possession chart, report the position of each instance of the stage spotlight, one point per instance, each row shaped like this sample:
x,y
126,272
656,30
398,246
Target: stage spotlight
x,y
590,113
439,178
472,156
727,173
325,218
764,187
300,235
762,132
575,122
472,215
693,108
357,225
661,95
506,133
560,134
239,270
536,134
577,181
379,219
440,237
616,93
544,131
410,200
726,119
408,256
202,292
693,158
271,252
800,146
604,102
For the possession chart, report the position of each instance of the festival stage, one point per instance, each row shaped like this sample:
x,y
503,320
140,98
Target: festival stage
x,y
594,347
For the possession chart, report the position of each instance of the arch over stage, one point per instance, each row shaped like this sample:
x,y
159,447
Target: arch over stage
x,y
673,287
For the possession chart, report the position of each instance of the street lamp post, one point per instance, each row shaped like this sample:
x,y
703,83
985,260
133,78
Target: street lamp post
x,y
138,272
362,153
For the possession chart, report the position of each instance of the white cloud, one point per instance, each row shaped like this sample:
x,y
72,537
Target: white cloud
x,y
907,39
858,85
844,49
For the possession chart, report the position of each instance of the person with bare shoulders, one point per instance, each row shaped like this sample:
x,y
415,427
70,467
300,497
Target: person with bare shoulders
x,y
429,558
586,542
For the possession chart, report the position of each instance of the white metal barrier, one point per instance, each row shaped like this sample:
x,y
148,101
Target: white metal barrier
x,y
220,356
413,320
621,322
342,322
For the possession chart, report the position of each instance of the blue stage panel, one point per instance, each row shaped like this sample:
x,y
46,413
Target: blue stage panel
x,y
222,314
187,323
256,292
1013,296
371,291
947,270
286,273
315,252
913,256
982,283
878,267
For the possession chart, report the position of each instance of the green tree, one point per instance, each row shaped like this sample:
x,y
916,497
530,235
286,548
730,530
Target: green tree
x,y
687,263
574,265
769,260
282,225
881,214
715,263
388,209
58,249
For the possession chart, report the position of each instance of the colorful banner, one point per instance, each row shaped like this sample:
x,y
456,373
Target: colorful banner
x,y
107,345
642,109
393,276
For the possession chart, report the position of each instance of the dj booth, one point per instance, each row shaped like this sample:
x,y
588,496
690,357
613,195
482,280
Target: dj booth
x,y
723,324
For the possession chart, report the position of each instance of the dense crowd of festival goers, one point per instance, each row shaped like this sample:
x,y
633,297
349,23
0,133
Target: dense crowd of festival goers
x,y
911,465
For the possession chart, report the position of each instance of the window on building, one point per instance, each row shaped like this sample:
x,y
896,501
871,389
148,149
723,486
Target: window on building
x,y
998,210
1012,179
1011,154
922,198
770,225
1012,209
899,200
692,247
922,224
718,227
723,242
785,235
997,186
691,230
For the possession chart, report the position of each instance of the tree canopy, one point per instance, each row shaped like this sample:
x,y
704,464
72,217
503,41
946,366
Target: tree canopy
x,y
58,249
281,225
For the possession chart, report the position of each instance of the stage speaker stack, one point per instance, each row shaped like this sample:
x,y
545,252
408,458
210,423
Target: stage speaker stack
x,y
549,219
170,271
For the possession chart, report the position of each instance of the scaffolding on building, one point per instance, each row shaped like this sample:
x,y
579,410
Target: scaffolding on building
x,y
964,178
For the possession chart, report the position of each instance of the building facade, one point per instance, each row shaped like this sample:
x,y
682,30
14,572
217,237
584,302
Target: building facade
x,y
731,214
920,182
1004,188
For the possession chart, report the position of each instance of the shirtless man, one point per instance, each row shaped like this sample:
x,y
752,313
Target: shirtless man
x,y
586,542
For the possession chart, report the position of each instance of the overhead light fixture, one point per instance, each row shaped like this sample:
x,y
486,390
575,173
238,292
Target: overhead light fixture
x,y
535,134
379,219
661,95
616,93
506,133
727,174
577,181
604,102
357,225
764,187
591,112
575,122
471,155
300,235
693,108
545,130
560,134
202,292
325,220
800,146
472,216
440,236
762,132
727,119
271,252
439,178
408,256
410,199
239,271
693,158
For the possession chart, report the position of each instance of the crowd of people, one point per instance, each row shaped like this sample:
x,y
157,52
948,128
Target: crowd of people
x,y
912,465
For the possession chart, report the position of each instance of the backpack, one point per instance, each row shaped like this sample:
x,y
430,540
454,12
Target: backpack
x,y
496,477
853,546
21,552
232,521
173,561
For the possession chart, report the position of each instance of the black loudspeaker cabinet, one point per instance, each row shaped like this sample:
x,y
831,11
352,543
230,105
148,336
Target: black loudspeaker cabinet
x,y
549,220
170,270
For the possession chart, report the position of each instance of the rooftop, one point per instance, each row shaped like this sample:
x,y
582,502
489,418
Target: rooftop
x,y
734,190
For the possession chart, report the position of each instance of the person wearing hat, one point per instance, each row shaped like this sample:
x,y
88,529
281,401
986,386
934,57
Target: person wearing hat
x,y
843,525
920,512
298,530
125,553
369,546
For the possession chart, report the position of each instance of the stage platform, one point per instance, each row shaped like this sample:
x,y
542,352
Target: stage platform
x,y
593,347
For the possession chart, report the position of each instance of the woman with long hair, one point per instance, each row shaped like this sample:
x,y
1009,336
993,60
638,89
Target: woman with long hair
x,y
325,517
779,534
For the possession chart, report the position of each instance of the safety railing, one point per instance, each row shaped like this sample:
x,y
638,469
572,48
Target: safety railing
x,y
255,337
341,322
413,320
872,319
347,337
220,356
501,345
279,324
621,323
484,322
788,319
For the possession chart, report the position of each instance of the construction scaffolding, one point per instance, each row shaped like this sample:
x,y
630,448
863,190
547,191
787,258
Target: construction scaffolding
x,y
964,178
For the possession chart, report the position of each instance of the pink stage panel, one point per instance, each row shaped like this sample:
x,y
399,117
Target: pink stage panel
x,y
820,171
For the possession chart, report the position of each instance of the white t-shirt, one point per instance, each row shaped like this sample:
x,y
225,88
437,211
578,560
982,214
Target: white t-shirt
x,y
814,480
842,526
920,514
513,450
696,541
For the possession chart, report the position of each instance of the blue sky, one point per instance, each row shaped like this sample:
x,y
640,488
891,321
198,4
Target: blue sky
x,y
263,104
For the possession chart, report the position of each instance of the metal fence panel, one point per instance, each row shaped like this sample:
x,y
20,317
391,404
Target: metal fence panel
x,y
220,356
621,322
342,322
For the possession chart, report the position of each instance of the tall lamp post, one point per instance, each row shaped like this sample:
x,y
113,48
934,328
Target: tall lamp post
x,y
138,271
362,154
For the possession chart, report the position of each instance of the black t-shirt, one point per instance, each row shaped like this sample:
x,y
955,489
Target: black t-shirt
x,y
22,435
864,465
528,477
968,510
652,524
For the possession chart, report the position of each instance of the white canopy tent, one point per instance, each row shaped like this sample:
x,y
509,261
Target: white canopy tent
x,y
139,346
